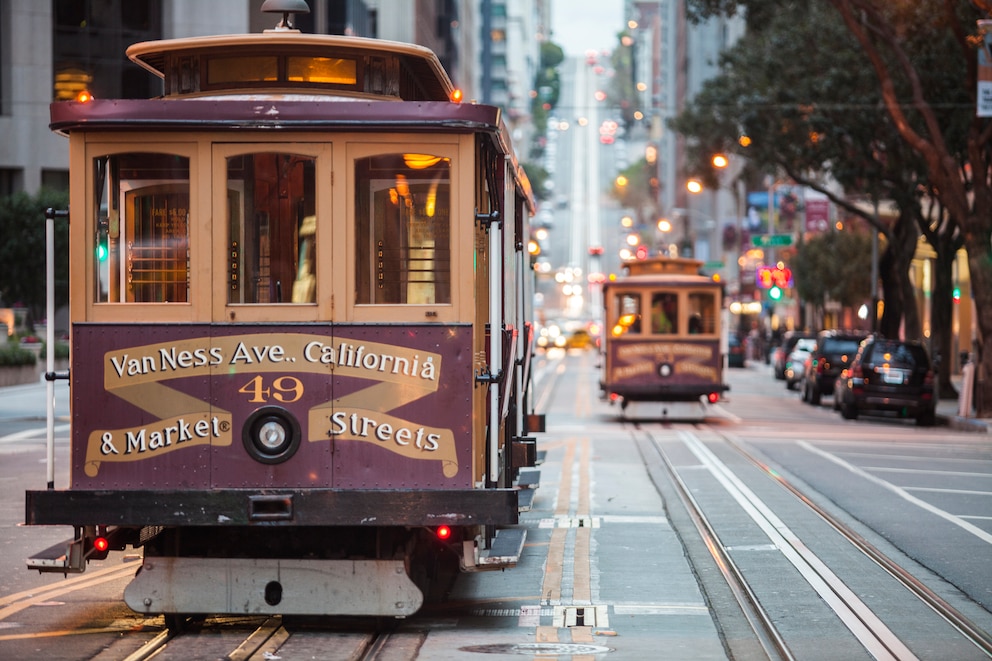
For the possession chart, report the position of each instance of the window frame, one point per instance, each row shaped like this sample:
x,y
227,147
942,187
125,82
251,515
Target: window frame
x,y
460,229
199,240
326,246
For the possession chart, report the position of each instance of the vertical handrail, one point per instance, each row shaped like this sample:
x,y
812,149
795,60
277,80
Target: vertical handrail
x,y
50,215
495,344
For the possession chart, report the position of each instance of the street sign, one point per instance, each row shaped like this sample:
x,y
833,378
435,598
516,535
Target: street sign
x,y
769,240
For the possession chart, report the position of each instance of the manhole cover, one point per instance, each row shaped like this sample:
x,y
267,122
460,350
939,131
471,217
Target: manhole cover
x,y
537,648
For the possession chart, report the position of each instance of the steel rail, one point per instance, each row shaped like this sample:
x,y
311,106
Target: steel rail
x,y
974,633
761,624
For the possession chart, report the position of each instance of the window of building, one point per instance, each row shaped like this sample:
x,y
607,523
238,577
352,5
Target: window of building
x,y
11,181
89,39
55,179
272,228
403,229
141,242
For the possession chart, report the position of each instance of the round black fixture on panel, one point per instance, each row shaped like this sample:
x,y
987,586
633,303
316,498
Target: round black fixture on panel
x,y
271,435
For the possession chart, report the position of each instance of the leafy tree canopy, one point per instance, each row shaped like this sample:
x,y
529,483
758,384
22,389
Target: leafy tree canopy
x,y
22,250
833,266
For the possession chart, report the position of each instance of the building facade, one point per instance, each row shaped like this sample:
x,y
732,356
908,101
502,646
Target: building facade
x,y
52,50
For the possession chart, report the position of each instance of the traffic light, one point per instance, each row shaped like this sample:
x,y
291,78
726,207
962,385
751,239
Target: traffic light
x,y
102,231
773,276
775,293
641,252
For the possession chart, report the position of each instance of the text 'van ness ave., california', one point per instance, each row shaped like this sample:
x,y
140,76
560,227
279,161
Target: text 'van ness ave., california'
x,y
265,352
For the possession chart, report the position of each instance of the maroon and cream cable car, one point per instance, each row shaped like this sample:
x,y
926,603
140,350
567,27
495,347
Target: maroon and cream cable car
x,y
300,329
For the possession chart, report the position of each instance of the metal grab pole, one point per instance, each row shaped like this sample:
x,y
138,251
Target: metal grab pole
x,y
495,345
50,341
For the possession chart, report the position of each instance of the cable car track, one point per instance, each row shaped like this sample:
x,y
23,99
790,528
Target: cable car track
x,y
868,627
251,640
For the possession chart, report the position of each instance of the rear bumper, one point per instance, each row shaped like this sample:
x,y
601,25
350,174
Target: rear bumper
x,y
911,405
272,507
653,393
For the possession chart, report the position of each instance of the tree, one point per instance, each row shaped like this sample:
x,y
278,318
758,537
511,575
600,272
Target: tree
x,y
853,137
830,267
22,250
800,91
547,88
959,171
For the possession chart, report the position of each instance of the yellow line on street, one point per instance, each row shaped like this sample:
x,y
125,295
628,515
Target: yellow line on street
x,y
17,602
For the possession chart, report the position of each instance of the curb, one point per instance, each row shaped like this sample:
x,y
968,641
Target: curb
x,y
977,425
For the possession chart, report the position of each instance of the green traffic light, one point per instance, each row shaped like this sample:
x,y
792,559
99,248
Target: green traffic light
x,y
775,293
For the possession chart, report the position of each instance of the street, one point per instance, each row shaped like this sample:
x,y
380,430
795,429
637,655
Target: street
x,y
613,564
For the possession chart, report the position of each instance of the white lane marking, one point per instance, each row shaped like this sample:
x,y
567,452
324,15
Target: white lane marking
x,y
30,433
877,638
902,493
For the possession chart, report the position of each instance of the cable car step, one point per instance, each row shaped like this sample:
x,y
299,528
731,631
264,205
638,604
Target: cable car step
x,y
529,479
63,558
525,499
505,550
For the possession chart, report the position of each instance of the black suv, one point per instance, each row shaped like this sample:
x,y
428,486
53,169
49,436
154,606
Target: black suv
x,y
888,375
834,351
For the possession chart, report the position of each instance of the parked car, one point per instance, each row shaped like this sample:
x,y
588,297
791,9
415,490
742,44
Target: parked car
x,y
795,364
735,357
781,353
834,351
888,375
579,339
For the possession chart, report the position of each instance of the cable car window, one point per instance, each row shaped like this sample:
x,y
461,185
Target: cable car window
x,y
403,229
272,228
335,70
702,313
261,68
664,312
628,309
141,238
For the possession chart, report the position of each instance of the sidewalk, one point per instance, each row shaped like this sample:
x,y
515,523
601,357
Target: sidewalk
x,y
948,413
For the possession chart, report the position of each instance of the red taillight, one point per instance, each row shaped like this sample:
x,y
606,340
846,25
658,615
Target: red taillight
x,y
928,379
101,545
443,532
713,397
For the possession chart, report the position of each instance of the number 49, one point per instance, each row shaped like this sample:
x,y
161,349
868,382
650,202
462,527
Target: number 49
x,y
286,389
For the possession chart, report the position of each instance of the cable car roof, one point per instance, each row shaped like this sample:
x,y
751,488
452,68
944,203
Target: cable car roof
x,y
290,60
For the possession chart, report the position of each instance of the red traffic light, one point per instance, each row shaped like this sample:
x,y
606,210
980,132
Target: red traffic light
x,y
772,276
